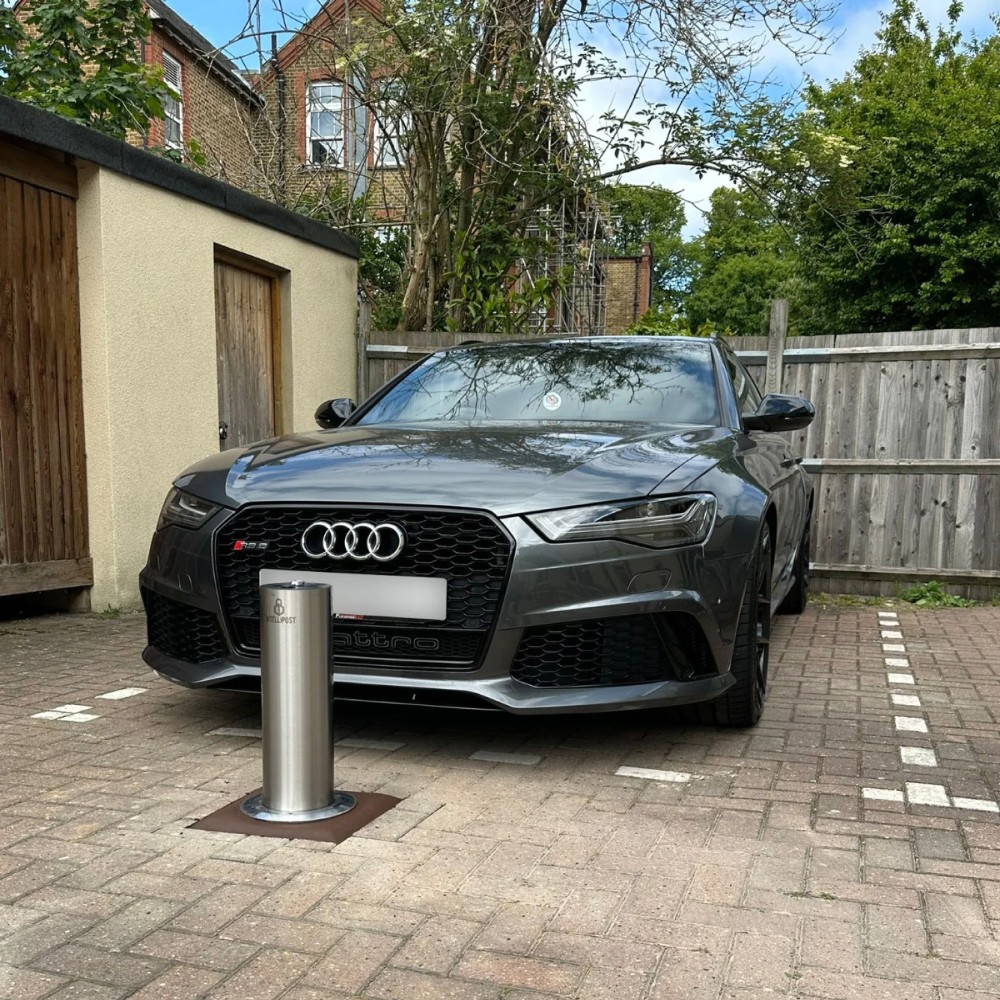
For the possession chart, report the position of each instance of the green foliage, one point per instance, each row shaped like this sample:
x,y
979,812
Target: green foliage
x,y
881,211
381,265
662,322
382,249
83,61
933,595
901,230
11,35
848,601
742,260
652,214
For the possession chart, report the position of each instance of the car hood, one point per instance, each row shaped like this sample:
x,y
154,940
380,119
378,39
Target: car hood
x,y
505,468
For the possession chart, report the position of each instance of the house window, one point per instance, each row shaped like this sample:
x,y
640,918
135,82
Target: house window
x,y
325,122
173,104
391,123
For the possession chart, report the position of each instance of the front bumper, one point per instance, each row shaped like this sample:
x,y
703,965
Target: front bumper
x,y
549,585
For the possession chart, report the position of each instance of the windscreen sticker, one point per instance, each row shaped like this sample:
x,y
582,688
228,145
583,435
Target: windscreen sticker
x,y
552,401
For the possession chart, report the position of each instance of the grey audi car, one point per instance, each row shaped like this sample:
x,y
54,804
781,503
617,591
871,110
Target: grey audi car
x,y
585,524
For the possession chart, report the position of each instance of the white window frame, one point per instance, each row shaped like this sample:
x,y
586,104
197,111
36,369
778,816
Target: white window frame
x,y
177,94
315,107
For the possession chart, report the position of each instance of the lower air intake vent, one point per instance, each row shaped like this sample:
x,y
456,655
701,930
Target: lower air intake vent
x,y
631,649
181,631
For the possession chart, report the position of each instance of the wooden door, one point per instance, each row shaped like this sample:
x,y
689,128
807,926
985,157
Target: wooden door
x,y
43,481
246,311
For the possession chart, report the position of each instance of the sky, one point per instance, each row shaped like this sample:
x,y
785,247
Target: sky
x,y
852,28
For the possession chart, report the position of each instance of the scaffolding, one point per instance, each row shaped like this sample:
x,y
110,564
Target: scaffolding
x,y
569,238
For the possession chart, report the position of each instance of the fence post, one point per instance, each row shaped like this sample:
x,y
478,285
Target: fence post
x,y
364,335
776,345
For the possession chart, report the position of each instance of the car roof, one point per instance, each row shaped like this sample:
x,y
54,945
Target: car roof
x,y
623,341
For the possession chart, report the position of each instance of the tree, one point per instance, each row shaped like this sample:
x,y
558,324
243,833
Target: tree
x,y
641,214
743,259
82,60
495,151
902,226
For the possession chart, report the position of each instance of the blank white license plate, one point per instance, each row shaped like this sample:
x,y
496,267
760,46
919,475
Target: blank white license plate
x,y
355,594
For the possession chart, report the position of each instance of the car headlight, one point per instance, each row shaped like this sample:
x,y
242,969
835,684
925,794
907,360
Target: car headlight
x,y
658,523
185,510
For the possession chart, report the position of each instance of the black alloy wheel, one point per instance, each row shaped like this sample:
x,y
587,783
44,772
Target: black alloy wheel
x,y
741,706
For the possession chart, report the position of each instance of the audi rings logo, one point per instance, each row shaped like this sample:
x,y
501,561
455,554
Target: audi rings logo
x,y
340,540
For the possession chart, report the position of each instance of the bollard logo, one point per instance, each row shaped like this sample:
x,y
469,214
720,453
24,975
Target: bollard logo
x,y
278,617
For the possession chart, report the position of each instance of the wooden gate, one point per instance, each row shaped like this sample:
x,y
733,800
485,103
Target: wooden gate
x,y
43,487
247,324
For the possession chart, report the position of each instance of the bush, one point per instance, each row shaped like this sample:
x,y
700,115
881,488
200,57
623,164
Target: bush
x,y
933,595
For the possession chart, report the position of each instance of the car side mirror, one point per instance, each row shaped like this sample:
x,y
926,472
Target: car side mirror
x,y
334,412
780,413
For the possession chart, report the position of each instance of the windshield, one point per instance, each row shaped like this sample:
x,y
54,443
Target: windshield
x,y
670,382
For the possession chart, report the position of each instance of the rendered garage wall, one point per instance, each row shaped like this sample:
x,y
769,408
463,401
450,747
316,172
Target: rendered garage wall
x,y
149,349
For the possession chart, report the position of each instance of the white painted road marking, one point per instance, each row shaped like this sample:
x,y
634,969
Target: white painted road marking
x,y
917,792
982,805
651,774
920,756
123,693
882,794
921,794
909,724
360,744
526,759
67,713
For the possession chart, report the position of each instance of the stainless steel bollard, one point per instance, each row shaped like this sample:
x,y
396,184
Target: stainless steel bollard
x,y
296,707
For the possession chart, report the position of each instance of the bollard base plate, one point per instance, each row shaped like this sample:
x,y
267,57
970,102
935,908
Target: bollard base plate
x,y
343,802
231,819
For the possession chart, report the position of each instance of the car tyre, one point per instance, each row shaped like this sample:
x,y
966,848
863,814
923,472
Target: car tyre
x,y
741,706
797,598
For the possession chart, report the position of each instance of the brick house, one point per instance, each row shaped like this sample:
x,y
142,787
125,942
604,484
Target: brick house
x,y
629,289
211,105
323,132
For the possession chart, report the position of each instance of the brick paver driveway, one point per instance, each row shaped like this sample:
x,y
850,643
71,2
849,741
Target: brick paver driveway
x,y
848,847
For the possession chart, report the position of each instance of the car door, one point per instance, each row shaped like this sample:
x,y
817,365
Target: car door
x,y
770,461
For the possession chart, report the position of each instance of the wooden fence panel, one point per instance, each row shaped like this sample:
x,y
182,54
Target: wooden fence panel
x,y
920,426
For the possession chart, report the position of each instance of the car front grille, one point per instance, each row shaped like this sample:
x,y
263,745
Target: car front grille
x,y
600,652
182,631
470,550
